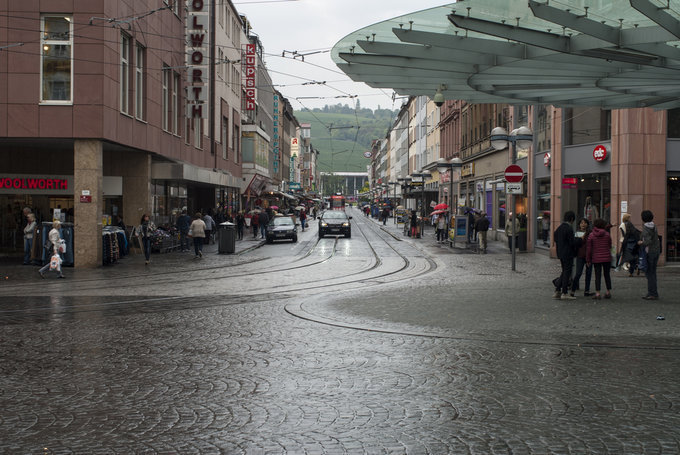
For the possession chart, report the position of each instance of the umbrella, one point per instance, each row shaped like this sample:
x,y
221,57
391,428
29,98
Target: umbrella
x,y
252,212
441,206
299,207
274,207
439,212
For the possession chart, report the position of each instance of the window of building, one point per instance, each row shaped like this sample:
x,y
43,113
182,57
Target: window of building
x,y
586,125
165,93
225,137
56,71
235,79
235,141
674,123
140,93
125,42
236,36
198,133
175,102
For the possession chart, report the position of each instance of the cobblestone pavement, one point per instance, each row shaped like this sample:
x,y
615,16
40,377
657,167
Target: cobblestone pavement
x,y
374,345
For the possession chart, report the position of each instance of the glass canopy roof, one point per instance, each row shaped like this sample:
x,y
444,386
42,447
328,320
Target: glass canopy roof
x,y
607,53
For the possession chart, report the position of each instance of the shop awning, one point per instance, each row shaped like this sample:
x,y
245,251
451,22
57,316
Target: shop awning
x,y
610,54
257,184
287,196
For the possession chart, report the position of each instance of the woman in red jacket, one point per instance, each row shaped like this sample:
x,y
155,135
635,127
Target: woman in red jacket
x,y
598,253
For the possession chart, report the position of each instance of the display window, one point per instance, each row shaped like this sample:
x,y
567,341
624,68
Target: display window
x,y
589,197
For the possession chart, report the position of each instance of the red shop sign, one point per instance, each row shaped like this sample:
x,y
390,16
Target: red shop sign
x,y
600,153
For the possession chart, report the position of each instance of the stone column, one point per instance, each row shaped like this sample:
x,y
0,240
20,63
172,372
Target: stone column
x,y
88,164
136,187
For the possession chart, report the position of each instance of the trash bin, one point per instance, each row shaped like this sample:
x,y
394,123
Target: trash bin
x,y
227,238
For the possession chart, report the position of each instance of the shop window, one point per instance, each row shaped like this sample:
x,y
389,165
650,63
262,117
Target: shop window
x,y
585,125
56,70
235,146
672,242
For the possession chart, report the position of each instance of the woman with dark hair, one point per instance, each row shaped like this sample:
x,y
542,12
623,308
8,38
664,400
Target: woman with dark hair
x,y
581,238
598,253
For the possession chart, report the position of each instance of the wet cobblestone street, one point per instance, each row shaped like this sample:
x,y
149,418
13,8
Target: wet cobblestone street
x,y
366,347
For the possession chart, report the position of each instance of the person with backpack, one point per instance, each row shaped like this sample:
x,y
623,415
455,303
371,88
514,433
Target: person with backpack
x,y
649,242
630,248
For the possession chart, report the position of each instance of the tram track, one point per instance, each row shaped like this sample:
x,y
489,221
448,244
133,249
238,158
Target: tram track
x,y
369,232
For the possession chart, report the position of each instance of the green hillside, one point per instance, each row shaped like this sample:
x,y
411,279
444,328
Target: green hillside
x,y
342,136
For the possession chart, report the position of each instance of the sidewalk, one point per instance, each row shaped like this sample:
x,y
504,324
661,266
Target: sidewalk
x,y
12,271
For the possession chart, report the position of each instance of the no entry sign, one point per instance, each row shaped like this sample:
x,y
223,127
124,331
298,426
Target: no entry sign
x,y
514,174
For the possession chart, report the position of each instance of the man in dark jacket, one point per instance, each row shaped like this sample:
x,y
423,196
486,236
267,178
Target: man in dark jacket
x,y
564,241
481,226
183,223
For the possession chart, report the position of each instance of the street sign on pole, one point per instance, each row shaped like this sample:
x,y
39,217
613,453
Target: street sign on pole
x,y
514,188
514,174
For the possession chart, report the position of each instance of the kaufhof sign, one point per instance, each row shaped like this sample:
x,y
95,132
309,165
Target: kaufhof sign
x,y
198,26
36,184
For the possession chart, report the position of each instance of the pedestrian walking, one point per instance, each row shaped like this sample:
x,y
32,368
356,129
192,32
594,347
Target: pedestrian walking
x,y
598,253
649,242
146,228
385,215
441,228
508,230
482,227
209,227
240,224
29,230
55,261
414,224
564,241
622,234
303,220
183,223
581,244
197,232
471,225
254,223
545,228
263,220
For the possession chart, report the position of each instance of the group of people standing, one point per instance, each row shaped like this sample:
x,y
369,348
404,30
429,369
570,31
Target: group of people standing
x,y
592,249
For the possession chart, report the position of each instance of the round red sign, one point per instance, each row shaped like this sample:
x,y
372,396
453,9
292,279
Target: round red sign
x,y
600,153
546,159
514,174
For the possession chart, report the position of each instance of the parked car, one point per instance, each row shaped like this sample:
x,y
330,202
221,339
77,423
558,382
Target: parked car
x,y
335,222
281,228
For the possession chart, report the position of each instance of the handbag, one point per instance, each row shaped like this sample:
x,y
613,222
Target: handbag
x,y
55,262
191,232
62,246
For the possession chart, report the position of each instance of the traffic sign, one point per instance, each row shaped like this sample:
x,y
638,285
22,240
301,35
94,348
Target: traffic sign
x,y
514,174
514,188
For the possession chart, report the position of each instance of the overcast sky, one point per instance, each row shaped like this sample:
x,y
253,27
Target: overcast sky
x,y
317,25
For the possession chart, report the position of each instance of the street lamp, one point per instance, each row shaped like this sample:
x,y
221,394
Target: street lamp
x,y
442,166
500,139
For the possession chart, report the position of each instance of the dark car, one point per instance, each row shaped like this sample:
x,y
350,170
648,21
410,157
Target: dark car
x,y
335,222
280,228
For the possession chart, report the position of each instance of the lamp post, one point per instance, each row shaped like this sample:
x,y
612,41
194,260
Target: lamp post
x,y
500,139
